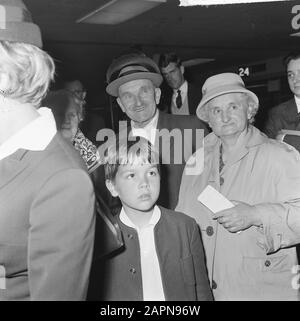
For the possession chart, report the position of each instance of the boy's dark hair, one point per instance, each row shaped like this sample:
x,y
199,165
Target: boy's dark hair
x,y
126,151
289,57
167,58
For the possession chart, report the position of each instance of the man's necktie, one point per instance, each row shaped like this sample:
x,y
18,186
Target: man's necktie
x,y
178,99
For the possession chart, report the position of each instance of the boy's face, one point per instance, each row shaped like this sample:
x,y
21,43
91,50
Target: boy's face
x,y
137,185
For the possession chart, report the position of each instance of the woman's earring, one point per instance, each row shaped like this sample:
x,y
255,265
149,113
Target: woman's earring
x,y
4,93
3,105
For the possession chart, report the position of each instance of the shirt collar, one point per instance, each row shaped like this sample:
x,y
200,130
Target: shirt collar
x,y
183,88
150,124
35,136
147,131
297,100
152,222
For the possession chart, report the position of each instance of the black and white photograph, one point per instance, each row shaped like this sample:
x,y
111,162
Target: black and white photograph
x,y
149,154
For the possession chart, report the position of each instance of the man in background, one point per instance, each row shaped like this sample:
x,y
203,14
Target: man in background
x,y
92,119
286,116
185,97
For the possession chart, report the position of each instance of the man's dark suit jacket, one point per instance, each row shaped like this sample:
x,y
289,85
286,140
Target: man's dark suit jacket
x,y
194,96
171,173
181,259
284,116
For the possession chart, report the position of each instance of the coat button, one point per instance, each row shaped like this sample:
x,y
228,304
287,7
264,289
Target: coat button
x,y
213,284
209,230
267,263
130,236
132,270
221,180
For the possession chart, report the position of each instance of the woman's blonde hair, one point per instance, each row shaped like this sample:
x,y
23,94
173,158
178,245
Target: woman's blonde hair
x,y
29,71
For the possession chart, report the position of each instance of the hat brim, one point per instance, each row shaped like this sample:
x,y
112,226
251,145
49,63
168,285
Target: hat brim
x,y
113,88
218,92
24,32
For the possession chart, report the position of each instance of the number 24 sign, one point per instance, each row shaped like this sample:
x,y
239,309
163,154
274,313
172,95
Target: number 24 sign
x,y
244,71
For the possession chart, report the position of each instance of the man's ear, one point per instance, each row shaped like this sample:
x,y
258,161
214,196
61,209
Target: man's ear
x,y
157,93
182,69
120,104
111,187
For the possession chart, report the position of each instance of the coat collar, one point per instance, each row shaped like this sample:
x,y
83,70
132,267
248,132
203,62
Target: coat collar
x,y
212,145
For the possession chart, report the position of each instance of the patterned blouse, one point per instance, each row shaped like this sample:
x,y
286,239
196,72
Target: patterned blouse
x,y
87,150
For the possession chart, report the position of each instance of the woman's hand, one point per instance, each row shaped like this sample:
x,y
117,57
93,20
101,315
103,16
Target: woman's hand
x,y
238,218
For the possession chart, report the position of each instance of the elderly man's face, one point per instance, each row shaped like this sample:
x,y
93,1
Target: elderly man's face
x,y
293,75
138,99
228,114
173,75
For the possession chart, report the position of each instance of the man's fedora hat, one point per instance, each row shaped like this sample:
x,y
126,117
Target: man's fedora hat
x,y
16,23
131,67
219,85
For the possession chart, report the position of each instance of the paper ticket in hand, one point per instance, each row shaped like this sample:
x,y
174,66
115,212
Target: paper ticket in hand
x,y
214,200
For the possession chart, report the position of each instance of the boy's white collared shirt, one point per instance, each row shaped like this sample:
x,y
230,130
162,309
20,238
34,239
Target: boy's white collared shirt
x,y
151,275
35,136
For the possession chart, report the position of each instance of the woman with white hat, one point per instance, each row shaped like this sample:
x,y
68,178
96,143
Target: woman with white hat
x,y
46,196
248,246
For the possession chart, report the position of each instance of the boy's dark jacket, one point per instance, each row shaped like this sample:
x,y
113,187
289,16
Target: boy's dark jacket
x,y
181,259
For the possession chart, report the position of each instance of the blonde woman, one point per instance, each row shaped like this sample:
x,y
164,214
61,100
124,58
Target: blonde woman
x,y
46,196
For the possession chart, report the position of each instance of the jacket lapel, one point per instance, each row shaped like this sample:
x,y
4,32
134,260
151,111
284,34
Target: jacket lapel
x,y
253,138
11,166
164,146
159,126
211,148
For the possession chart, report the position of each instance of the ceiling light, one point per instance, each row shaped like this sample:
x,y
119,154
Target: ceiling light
x,y
187,3
117,11
196,61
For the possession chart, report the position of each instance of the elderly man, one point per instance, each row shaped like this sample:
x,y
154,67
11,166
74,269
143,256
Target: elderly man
x,y
249,244
135,79
284,120
185,96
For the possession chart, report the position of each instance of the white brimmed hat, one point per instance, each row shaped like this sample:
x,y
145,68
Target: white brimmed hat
x,y
219,85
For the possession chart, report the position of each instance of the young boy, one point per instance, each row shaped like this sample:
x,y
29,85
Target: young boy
x,y
162,258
